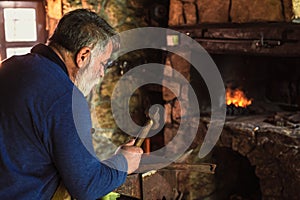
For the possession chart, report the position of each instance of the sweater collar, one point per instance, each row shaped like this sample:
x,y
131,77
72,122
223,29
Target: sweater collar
x,y
47,52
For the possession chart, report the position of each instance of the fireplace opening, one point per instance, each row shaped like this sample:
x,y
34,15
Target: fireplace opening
x,y
235,176
269,83
248,153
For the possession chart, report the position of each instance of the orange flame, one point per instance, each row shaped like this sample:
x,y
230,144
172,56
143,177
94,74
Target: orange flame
x,y
237,98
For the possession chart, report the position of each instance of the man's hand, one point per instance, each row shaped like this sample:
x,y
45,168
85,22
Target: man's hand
x,y
132,154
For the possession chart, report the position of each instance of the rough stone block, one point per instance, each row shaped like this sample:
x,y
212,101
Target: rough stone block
x,y
176,13
169,132
288,10
271,187
185,108
271,169
186,76
168,95
184,94
176,111
167,71
168,87
225,139
256,11
190,13
245,146
180,64
167,114
213,11
296,9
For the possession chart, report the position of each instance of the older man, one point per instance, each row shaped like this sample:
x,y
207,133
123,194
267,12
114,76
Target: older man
x,y
45,122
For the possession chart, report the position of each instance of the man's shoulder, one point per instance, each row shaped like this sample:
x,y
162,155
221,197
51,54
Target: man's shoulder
x,y
33,78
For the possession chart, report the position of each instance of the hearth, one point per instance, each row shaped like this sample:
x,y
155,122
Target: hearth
x,y
257,155
268,83
260,60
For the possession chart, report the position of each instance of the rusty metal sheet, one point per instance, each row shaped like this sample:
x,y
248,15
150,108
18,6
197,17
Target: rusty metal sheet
x,y
159,185
131,187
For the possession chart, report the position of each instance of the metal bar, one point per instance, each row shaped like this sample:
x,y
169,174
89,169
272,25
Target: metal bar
x,y
203,167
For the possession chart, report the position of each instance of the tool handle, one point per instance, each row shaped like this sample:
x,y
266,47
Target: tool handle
x,y
143,133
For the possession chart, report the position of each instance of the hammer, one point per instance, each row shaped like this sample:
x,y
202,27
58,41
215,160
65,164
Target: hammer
x,y
151,123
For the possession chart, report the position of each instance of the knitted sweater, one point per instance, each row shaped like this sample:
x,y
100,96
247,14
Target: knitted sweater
x,y
45,133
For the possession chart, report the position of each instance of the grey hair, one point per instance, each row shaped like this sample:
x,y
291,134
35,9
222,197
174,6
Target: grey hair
x,y
80,28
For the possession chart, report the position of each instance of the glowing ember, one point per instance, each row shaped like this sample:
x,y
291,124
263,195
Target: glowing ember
x,y
237,98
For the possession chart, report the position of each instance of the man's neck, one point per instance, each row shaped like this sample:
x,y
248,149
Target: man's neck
x,y
67,58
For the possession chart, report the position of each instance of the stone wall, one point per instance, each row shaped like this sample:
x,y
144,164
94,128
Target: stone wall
x,y
257,157
191,12
271,151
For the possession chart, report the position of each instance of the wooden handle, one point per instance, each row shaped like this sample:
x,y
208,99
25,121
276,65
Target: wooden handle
x,y
143,133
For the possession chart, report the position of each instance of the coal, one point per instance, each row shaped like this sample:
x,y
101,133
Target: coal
x,y
233,110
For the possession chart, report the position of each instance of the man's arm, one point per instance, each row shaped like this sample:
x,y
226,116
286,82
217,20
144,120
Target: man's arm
x,y
132,154
83,174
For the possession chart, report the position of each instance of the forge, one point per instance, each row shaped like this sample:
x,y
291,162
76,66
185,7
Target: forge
x,y
255,46
257,154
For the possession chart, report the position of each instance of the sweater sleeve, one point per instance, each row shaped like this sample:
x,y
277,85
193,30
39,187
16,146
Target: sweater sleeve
x,y
70,144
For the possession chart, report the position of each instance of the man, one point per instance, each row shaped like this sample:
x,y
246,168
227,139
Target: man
x,y
45,123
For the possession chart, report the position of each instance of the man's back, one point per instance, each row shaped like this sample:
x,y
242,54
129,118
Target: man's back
x,y
28,88
41,140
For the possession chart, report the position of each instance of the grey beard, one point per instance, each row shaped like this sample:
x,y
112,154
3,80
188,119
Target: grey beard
x,y
86,86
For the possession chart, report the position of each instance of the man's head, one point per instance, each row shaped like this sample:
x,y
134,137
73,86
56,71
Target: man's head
x,y
90,72
85,43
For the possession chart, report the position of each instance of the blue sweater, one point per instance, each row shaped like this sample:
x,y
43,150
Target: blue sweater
x,y
45,133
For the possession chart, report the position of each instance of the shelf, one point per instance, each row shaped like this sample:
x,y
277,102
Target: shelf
x,y
271,39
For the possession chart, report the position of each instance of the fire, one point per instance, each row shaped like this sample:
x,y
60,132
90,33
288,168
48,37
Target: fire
x,y
237,97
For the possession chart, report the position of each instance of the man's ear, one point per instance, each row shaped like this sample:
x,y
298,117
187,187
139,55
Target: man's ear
x,y
83,56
